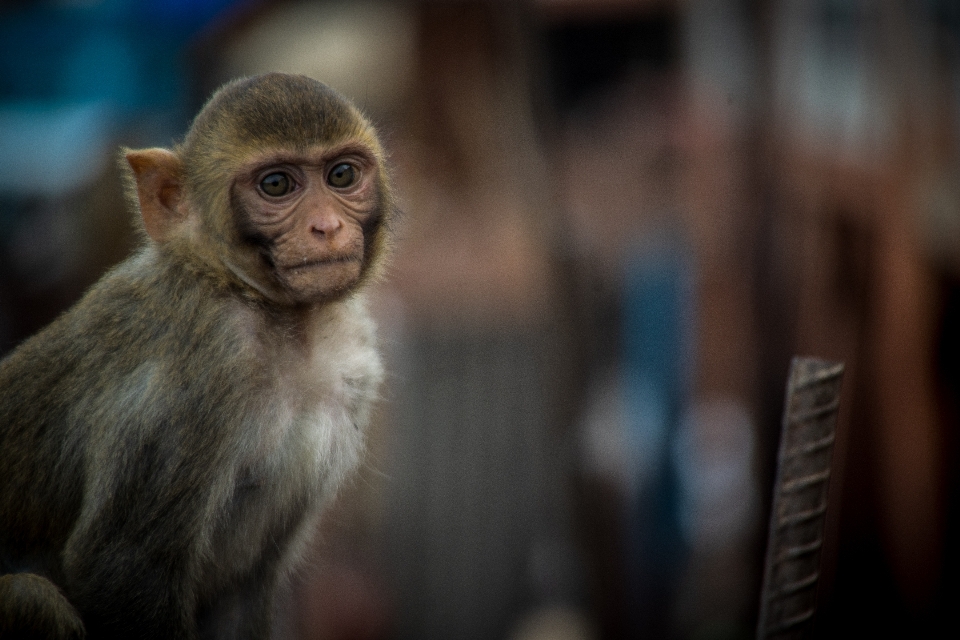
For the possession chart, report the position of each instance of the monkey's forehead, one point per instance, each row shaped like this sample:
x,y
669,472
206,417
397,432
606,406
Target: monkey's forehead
x,y
304,127
358,139
215,154
312,154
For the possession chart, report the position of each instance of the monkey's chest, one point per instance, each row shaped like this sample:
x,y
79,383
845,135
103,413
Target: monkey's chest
x,y
281,484
294,451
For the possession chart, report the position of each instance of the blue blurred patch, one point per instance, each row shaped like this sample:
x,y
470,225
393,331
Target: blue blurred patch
x,y
73,74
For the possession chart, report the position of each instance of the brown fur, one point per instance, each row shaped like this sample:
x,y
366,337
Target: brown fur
x,y
167,444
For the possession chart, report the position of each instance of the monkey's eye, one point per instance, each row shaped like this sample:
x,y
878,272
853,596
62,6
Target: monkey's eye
x,y
276,184
343,175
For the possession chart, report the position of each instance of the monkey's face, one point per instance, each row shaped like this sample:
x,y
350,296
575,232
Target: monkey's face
x,y
278,186
305,217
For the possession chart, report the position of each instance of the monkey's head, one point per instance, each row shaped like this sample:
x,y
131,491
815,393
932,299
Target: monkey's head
x,y
279,187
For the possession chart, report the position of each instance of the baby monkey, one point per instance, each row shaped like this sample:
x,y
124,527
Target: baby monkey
x,y
167,445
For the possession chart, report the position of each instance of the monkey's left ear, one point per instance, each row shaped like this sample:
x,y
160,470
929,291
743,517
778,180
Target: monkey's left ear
x,y
157,175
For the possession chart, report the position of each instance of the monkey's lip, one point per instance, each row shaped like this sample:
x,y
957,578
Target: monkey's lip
x,y
321,262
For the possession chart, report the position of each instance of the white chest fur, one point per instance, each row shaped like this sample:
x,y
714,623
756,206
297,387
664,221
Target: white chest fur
x,y
308,436
329,390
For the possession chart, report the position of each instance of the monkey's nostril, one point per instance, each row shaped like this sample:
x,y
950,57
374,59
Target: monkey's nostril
x,y
327,226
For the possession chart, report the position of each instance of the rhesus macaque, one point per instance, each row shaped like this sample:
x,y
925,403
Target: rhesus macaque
x,y
167,444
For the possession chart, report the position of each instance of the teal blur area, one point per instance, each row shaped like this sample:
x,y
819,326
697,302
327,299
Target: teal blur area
x,y
620,220
76,80
74,74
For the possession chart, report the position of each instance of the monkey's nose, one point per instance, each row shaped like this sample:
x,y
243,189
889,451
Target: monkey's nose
x,y
326,224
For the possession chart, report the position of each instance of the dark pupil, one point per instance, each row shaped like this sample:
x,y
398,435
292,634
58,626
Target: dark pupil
x,y
342,175
275,184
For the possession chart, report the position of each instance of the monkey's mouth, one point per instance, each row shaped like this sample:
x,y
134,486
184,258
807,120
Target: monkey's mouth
x,y
321,262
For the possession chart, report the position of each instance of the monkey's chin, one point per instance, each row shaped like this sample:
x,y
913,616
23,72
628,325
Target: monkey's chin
x,y
322,280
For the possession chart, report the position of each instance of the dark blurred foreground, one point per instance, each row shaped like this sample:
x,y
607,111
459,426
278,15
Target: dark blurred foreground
x,y
621,221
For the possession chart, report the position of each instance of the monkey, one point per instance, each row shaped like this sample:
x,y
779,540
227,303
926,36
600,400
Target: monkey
x,y
168,444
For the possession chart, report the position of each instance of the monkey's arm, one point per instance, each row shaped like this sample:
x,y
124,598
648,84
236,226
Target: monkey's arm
x,y
89,501
130,564
157,403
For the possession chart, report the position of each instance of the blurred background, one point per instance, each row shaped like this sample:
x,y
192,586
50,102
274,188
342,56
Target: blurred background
x,y
621,218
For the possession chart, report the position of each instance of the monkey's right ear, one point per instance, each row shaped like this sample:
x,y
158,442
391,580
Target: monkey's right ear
x,y
157,173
